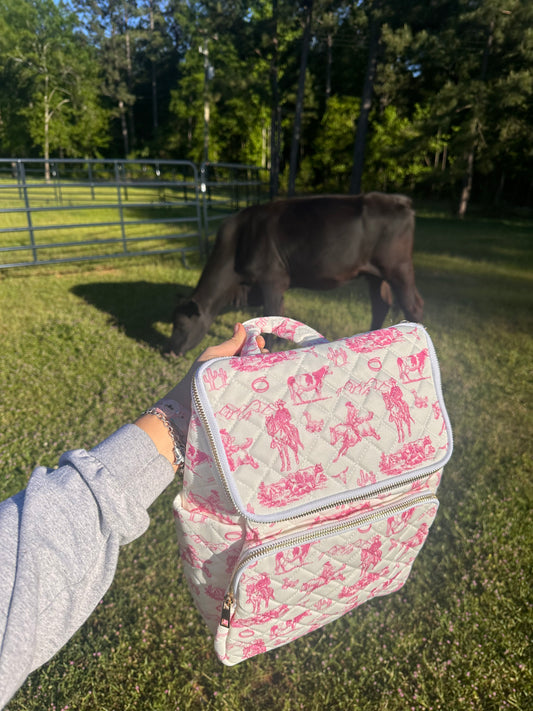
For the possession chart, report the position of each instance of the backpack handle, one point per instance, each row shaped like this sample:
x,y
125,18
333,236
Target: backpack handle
x,y
280,326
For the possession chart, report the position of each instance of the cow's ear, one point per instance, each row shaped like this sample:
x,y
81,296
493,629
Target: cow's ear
x,y
189,309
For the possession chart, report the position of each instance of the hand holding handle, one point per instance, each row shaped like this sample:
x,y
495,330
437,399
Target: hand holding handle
x,y
280,326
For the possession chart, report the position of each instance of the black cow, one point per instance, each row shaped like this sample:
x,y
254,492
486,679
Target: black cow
x,y
311,242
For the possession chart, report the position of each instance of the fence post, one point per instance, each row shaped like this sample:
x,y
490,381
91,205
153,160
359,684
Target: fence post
x,y
54,174
234,179
90,171
22,174
124,180
120,208
205,221
18,169
184,180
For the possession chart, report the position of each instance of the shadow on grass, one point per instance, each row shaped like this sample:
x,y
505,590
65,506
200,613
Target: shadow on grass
x,y
446,284
135,306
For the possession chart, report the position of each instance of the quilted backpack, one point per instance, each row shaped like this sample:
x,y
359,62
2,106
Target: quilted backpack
x,y
310,479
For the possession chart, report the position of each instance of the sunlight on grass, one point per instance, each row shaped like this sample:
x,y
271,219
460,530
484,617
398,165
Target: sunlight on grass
x,y
82,353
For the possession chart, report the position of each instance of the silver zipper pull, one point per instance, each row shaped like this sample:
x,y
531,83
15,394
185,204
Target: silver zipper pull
x,y
226,610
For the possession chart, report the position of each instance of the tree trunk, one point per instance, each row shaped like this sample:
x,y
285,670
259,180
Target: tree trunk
x,y
437,153
469,172
275,110
155,119
366,105
295,146
329,62
467,183
499,190
207,111
129,69
263,146
124,127
46,127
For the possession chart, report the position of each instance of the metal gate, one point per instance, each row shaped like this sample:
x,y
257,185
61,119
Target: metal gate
x,y
67,210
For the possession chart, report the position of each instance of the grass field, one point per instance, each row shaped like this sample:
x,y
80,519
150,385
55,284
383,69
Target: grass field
x,y
81,354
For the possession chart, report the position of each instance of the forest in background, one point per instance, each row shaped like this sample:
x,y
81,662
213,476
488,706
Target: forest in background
x,y
429,97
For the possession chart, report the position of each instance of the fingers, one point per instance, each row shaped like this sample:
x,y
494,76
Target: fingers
x,y
231,347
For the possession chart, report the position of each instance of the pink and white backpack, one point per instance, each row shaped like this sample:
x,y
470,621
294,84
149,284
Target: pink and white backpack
x,y
309,481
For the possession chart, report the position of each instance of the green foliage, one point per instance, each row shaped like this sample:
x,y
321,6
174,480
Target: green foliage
x,y
334,141
473,59
232,88
58,72
453,87
187,138
81,355
397,158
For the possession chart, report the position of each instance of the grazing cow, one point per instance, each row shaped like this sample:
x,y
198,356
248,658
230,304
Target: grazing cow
x,y
310,242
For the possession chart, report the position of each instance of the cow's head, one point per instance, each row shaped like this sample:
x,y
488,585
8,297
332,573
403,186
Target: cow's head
x,y
189,327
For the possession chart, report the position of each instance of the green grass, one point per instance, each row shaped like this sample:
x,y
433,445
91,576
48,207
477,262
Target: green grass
x,y
81,354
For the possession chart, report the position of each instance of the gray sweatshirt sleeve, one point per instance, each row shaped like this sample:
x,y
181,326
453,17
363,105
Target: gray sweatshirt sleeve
x,y
59,542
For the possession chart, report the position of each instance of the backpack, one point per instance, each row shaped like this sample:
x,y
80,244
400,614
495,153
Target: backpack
x,y
310,479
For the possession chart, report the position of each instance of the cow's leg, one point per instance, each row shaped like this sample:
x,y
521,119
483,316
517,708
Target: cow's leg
x,y
380,300
401,277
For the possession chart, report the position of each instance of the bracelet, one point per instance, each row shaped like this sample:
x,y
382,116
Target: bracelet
x,y
179,459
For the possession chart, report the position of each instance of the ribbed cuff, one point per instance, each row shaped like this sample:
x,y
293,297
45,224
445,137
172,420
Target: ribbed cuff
x,y
132,458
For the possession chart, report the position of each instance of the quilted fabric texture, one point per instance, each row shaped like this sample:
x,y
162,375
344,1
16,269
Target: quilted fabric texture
x,y
294,590
285,446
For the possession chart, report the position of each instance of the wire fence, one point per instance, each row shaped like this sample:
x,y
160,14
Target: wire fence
x,y
69,210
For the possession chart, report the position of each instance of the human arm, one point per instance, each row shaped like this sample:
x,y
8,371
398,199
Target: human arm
x,y
60,537
59,544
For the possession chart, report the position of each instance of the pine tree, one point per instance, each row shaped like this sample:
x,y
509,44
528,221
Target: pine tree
x,y
57,70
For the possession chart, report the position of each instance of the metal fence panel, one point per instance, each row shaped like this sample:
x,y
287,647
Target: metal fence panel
x,y
65,210
229,187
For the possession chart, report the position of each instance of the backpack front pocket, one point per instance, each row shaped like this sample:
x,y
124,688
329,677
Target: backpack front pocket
x,y
296,584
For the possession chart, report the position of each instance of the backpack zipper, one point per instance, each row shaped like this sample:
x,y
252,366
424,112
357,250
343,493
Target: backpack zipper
x,y
281,544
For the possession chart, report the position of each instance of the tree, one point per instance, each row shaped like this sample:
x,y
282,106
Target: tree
x,y
111,26
374,21
275,114
442,91
462,65
156,59
333,144
307,9
56,67
15,94
236,88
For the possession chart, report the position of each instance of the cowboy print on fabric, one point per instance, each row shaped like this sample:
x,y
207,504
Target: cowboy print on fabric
x,y
310,479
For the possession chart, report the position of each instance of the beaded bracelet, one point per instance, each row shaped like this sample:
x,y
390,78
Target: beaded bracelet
x,y
179,459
